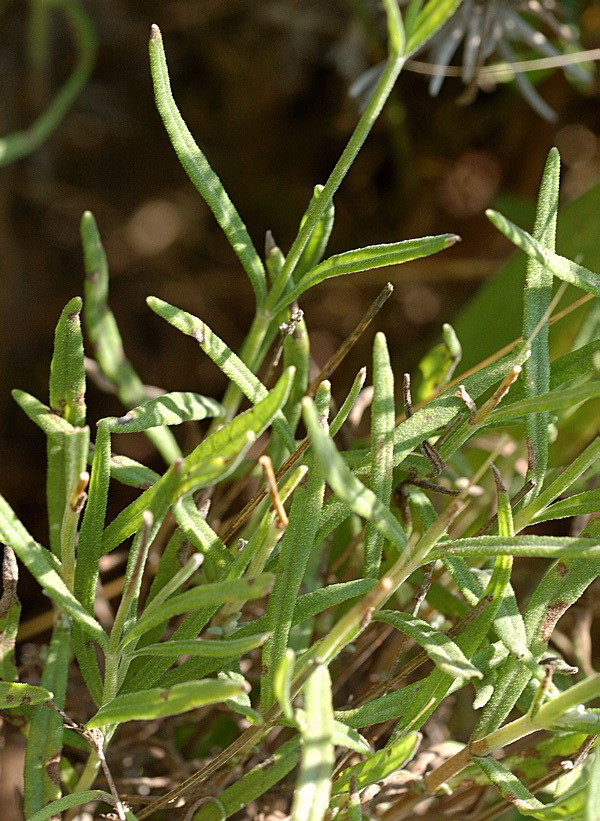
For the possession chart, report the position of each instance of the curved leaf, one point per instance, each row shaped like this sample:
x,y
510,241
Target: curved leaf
x,y
169,409
159,703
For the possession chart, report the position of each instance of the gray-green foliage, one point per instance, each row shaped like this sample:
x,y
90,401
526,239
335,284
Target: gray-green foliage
x,y
340,520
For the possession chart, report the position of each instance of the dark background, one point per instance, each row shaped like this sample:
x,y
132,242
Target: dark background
x,y
263,86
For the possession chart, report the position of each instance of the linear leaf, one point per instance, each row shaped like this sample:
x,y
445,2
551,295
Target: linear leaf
x,y
200,172
169,409
214,458
382,449
159,703
16,694
45,418
429,20
373,256
441,650
131,473
313,787
537,296
347,486
561,399
317,243
45,735
578,505
508,785
219,648
378,766
561,267
67,372
200,533
296,546
223,357
253,784
198,597
43,567
68,801
105,337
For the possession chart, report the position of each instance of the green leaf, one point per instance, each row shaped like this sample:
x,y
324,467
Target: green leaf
x,y
438,366
576,363
508,785
10,614
364,259
381,764
581,504
15,694
159,703
45,735
212,459
295,549
282,681
317,243
561,267
67,372
104,335
200,172
252,785
169,409
313,787
441,650
43,567
223,357
68,801
382,449
198,597
429,20
45,418
346,485
537,296
561,399
200,533
131,473
21,143
219,648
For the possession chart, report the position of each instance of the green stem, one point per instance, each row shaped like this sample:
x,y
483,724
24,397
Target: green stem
x,y
21,143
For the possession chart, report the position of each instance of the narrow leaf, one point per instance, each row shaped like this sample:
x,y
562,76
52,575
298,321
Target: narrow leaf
x,y
561,267
68,801
537,296
253,784
219,648
313,788
508,785
169,409
223,357
373,256
380,765
441,650
159,703
382,449
43,567
347,486
16,694
67,372
198,597
105,337
200,172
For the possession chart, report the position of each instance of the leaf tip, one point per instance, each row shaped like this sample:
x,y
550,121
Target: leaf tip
x,y
154,32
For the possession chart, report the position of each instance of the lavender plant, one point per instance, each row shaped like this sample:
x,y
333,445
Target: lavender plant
x,y
340,547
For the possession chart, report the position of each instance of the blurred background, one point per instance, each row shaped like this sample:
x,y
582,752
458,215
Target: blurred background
x,y
264,87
